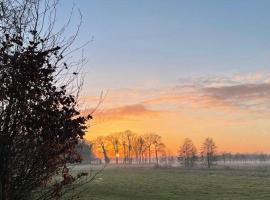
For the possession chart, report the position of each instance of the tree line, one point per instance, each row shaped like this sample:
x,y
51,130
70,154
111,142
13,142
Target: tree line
x,y
128,147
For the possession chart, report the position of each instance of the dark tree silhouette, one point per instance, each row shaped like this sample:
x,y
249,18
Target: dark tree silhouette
x,y
130,138
187,153
149,139
101,143
159,146
114,140
208,151
40,124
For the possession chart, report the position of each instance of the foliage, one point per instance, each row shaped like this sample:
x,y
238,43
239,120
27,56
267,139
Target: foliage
x,y
40,124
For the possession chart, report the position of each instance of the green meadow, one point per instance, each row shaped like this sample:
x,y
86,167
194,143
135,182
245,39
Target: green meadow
x,y
197,184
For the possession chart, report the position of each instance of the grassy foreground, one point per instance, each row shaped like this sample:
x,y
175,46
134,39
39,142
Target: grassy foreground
x,y
155,184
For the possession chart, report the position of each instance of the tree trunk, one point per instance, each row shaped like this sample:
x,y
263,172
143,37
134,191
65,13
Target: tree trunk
x,y
156,156
125,154
107,160
129,156
149,155
116,156
208,161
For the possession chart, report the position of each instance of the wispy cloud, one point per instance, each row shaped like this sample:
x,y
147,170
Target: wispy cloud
x,y
246,93
247,96
127,112
222,107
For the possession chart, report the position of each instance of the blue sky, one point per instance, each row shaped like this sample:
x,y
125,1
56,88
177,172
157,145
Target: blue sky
x,y
179,68
156,40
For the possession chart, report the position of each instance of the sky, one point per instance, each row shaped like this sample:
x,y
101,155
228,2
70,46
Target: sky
x,y
179,68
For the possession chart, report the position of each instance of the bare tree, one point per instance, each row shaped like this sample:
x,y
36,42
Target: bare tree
x,y
130,137
149,140
139,148
208,151
123,142
187,153
114,141
101,143
159,146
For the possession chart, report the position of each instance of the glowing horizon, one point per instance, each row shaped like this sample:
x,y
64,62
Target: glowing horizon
x,y
232,110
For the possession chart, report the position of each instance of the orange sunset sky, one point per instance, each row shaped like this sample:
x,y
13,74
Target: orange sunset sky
x,y
231,110
180,69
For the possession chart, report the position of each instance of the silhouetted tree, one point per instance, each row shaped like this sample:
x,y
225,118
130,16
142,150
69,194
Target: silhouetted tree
x,y
123,142
159,146
208,151
101,143
130,138
40,124
149,140
187,153
114,141
139,148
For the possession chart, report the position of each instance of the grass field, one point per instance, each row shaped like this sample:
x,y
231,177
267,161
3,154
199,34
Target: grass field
x,y
155,184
